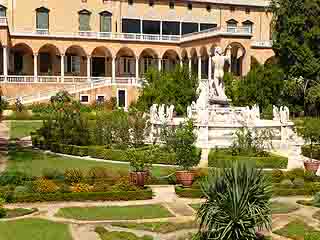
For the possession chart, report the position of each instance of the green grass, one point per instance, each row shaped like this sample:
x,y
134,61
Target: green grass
x,y
115,212
298,230
33,162
22,128
33,229
159,227
114,235
18,212
218,157
195,206
282,208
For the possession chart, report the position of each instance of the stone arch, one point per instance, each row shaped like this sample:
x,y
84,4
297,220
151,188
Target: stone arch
x,y
204,62
253,62
22,59
49,60
238,52
75,61
194,60
101,62
170,59
184,57
271,61
125,62
148,59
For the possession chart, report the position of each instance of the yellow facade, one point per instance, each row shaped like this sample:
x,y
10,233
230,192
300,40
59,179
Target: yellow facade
x,y
125,55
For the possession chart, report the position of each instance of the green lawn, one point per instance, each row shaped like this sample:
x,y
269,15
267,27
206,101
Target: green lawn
x,y
115,212
32,162
195,206
33,229
22,128
298,230
18,212
159,227
106,235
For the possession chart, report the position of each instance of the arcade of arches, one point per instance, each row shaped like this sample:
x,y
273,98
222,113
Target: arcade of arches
x,y
49,60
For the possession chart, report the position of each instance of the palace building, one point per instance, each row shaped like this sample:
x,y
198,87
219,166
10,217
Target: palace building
x,y
97,49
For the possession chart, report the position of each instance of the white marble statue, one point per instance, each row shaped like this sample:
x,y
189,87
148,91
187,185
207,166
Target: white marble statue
x,y
275,113
203,100
161,113
216,85
284,114
189,112
170,112
256,109
193,105
287,113
154,113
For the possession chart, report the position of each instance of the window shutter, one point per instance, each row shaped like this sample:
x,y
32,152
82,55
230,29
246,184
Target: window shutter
x,y
84,22
42,20
105,22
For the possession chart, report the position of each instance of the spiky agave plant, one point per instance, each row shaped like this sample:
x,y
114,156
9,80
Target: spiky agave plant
x,y
238,203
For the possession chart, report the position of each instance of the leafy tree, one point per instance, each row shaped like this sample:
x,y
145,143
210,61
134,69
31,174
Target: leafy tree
x,y
139,126
263,85
237,203
177,87
296,35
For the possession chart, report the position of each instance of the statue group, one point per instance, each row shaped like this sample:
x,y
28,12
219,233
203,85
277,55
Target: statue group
x,y
162,113
281,114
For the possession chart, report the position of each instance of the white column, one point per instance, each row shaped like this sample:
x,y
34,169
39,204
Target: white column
x,y
35,66
180,28
141,26
199,68
113,70
181,63
5,62
62,67
190,64
89,68
137,69
159,64
209,68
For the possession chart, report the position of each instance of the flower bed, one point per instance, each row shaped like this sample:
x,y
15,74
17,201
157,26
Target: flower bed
x,y
188,192
315,153
218,157
82,196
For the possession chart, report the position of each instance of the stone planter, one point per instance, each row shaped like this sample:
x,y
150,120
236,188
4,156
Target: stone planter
x,y
138,178
312,165
185,177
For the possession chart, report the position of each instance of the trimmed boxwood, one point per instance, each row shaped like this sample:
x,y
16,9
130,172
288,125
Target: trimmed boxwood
x,y
217,157
306,151
188,192
83,196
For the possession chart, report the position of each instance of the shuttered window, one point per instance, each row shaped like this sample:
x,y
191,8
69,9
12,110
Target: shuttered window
x,y
42,18
105,22
84,20
3,11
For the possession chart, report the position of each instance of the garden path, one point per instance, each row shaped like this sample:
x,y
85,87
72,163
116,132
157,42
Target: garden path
x,y
4,141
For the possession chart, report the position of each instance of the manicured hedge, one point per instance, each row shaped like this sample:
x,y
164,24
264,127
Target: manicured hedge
x,y
217,157
188,192
82,196
306,151
160,157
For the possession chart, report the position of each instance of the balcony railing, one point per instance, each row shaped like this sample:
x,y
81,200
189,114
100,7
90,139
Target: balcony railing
x,y
42,31
3,21
262,44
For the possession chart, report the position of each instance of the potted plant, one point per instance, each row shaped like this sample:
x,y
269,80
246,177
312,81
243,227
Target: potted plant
x,y
140,166
310,131
187,155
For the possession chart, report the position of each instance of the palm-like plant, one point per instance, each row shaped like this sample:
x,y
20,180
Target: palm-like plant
x,y
237,203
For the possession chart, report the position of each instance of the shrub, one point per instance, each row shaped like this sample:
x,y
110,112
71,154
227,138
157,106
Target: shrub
x,y
81,187
316,199
102,174
277,175
295,173
13,178
44,186
52,173
311,152
101,187
73,175
286,183
298,182
21,190
2,209
80,151
123,184
65,188
310,176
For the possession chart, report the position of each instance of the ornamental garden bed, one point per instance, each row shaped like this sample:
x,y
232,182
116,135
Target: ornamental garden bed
x,y
219,157
18,212
116,235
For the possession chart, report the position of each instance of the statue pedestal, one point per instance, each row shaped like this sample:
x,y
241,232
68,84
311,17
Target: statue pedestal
x,y
219,101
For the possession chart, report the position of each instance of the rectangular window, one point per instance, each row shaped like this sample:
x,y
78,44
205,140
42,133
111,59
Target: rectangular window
x,y
131,25
121,98
189,27
171,28
150,27
84,22
231,27
105,23
205,26
84,98
248,27
100,98
3,12
72,64
42,20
